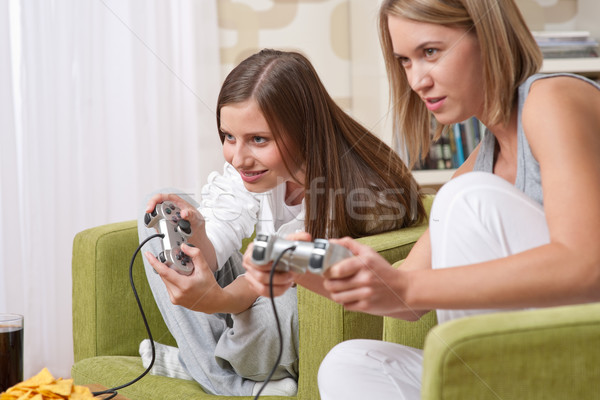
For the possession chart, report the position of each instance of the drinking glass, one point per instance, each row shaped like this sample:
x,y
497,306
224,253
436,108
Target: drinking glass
x,y
11,350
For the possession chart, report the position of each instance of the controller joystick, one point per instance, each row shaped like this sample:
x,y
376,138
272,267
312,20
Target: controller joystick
x,y
315,257
166,219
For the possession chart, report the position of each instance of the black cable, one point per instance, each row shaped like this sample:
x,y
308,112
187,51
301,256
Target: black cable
x,y
291,248
113,391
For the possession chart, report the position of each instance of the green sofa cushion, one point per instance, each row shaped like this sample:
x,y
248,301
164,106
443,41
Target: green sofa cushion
x,y
115,370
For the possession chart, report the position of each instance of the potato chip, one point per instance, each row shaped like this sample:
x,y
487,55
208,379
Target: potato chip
x,y
44,377
61,387
43,386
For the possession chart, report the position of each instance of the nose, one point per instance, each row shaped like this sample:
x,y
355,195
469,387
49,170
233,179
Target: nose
x,y
241,156
419,77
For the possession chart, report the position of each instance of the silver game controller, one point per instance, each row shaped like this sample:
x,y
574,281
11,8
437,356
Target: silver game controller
x,y
315,257
166,219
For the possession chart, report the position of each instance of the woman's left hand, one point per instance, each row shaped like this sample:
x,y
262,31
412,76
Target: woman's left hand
x,y
366,282
198,291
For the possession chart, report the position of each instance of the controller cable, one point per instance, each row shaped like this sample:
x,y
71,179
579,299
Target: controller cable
x,y
113,391
278,324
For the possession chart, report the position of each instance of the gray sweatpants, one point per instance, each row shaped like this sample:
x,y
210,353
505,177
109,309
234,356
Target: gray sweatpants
x,y
227,353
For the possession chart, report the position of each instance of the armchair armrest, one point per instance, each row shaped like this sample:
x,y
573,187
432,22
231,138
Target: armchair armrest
x,y
323,323
548,353
106,318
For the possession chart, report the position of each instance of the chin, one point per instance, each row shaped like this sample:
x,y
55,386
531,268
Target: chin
x,y
254,188
447,120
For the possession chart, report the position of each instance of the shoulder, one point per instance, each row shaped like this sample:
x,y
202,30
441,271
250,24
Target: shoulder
x,y
558,103
561,94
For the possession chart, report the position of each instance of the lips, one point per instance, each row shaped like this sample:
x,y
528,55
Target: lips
x,y
434,103
252,176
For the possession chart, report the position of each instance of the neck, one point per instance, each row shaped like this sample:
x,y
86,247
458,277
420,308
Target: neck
x,y
294,193
505,156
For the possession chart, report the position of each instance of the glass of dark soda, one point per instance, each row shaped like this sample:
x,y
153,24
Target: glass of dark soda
x,y
11,350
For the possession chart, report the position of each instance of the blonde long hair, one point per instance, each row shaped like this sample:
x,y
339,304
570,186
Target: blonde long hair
x,y
509,56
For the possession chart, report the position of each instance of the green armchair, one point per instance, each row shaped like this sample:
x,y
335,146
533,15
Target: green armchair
x,y
107,327
549,353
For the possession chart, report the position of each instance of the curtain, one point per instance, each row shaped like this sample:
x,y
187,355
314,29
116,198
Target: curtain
x,y
101,102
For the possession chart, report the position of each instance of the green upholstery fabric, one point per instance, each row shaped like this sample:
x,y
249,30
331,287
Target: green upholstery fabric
x,y
323,323
107,327
541,354
551,353
106,318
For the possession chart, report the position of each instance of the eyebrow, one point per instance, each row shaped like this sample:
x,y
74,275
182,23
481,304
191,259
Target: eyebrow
x,y
424,45
247,134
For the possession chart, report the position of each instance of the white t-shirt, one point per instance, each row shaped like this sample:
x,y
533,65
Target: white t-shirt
x,y
232,212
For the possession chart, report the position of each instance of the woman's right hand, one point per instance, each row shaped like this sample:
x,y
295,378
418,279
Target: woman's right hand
x,y
259,275
191,214
188,212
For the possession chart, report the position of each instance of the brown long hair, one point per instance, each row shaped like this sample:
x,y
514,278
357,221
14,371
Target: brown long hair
x,y
355,184
508,50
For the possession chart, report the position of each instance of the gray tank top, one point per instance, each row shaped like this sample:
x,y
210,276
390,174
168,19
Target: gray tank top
x,y
528,169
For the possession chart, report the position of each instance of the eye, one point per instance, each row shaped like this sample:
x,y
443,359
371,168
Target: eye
x,y
404,61
259,139
430,52
228,137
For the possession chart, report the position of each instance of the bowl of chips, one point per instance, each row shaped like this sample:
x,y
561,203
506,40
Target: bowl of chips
x,y
44,386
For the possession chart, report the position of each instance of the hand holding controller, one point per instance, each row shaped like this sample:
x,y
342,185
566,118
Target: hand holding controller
x,y
166,219
299,256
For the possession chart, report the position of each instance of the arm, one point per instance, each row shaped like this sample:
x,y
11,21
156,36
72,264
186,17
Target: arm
x,y
200,291
230,212
197,222
562,125
227,215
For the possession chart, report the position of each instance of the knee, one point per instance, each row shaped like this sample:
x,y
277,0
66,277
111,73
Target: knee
x,y
469,184
337,363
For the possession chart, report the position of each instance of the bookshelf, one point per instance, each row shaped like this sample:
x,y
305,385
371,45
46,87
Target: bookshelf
x,y
585,66
433,177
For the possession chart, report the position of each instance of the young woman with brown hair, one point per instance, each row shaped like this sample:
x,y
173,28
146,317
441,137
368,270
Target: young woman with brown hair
x,y
295,162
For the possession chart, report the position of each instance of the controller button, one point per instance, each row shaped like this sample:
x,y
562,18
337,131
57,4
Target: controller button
x,y
147,219
320,245
262,238
316,261
168,211
162,257
172,206
258,253
185,226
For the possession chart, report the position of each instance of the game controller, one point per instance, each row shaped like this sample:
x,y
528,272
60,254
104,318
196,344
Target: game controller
x,y
166,219
315,257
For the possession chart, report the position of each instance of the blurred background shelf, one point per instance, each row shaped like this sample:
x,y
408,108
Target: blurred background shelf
x,y
585,66
433,178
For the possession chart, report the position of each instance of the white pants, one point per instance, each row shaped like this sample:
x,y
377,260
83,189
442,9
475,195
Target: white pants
x,y
476,217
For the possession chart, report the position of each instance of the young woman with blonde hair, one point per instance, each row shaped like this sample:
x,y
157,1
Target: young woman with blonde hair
x,y
516,227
